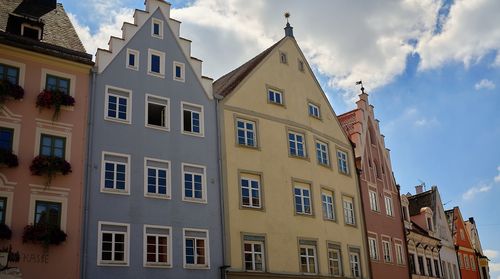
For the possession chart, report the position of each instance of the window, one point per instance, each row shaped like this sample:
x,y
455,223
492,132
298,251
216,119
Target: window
x,y
399,254
472,263
3,209
157,28
6,139
132,59
355,264
372,242
296,144
156,63
32,32
48,213
283,58
250,191
334,260
429,267
429,224
55,83
436,268
342,161
157,246
118,106
307,258
412,264
466,261
245,132
192,119
275,96
405,213
193,177
253,253
421,265
52,146
373,200
314,110
327,205
9,73
302,200
460,260
179,71
115,173
388,206
157,180
348,211
301,65
387,251
157,112
113,244
196,248
322,153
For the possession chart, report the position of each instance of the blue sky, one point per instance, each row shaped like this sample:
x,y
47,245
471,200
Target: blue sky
x,y
432,69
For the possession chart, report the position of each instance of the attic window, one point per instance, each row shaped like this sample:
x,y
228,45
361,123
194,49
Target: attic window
x,y
301,65
429,224
283,58
32,32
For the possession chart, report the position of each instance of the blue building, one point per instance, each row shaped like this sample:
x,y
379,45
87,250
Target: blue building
x,y
153,200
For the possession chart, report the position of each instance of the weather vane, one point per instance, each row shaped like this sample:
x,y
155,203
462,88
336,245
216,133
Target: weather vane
x,y
361,83
287,15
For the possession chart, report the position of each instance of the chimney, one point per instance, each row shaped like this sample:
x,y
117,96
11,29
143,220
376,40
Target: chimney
x,y
419,189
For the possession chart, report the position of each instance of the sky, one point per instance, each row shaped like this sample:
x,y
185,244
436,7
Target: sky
x,y
431,68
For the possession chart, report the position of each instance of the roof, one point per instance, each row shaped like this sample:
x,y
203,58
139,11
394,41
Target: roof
x,y
419,230
59,35
228,82
424,199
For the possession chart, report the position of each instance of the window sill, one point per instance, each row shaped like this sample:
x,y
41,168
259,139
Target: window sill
x,y
160,128
157,196
118,120
158,75
245,207
124,264
180,79
133,68
115,192
188,266
201,201
253,147
157,265
200,135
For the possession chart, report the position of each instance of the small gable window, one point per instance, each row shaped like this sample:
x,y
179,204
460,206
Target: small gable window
x,y
179,71
32,32
283,58
133,59
301,65
156,63
275,96
314,110
157,28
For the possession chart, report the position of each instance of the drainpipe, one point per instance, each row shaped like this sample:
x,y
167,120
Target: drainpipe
x,y
86,179
224,266
398,187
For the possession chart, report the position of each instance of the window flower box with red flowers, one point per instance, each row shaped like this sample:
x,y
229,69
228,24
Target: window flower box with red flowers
x,y
54,99
9,159
5,232
8,90
44,234
49,166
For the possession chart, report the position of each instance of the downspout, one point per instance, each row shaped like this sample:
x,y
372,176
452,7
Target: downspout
x,y
398,187
224,266
88,163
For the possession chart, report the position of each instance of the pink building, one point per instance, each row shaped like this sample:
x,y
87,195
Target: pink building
x,y
44,93
379,192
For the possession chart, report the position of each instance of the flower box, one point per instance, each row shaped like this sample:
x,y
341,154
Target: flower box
x,y
9,90
44,234
5,232
8,158
54,98
49,166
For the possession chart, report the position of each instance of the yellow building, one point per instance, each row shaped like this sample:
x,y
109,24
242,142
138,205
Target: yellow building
x,y
291,200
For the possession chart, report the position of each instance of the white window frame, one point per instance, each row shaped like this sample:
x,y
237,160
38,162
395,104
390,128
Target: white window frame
x,y
24,25
325,152
128,120
168,195
389,208
22,70
275,92
308,257
160,29
167,112
373,246
161,54
302,198
245,130
352,263
38,136
315,108
254,253
400,254
373,196
136,54
203,185
169,246
207,249
9,196
328,207
250,180
386,248
345,159
126,191
347,220
183,71
295,143
466,261
34,197
472,263
330,260
72,82
202,119
126,245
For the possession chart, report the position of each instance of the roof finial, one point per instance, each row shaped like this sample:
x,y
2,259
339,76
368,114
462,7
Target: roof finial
x,y
288,28
360,82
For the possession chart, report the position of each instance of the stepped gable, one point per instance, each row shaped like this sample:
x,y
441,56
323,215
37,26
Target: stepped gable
x,y
115,44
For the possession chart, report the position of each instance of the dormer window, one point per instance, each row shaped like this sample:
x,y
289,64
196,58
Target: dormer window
x,y
429,224
30,31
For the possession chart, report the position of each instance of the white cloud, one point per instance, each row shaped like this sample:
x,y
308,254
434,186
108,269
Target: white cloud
x,y
472,192
497,178
484,84
491,254
426,122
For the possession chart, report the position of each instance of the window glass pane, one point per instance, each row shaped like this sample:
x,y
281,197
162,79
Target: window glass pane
x,y
48,213
155,63
6,137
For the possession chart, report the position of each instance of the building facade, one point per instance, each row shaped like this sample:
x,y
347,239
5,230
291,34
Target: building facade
x,y
154,194
379,192
467,258
484,269
291,200
432,199
44,92
423,246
